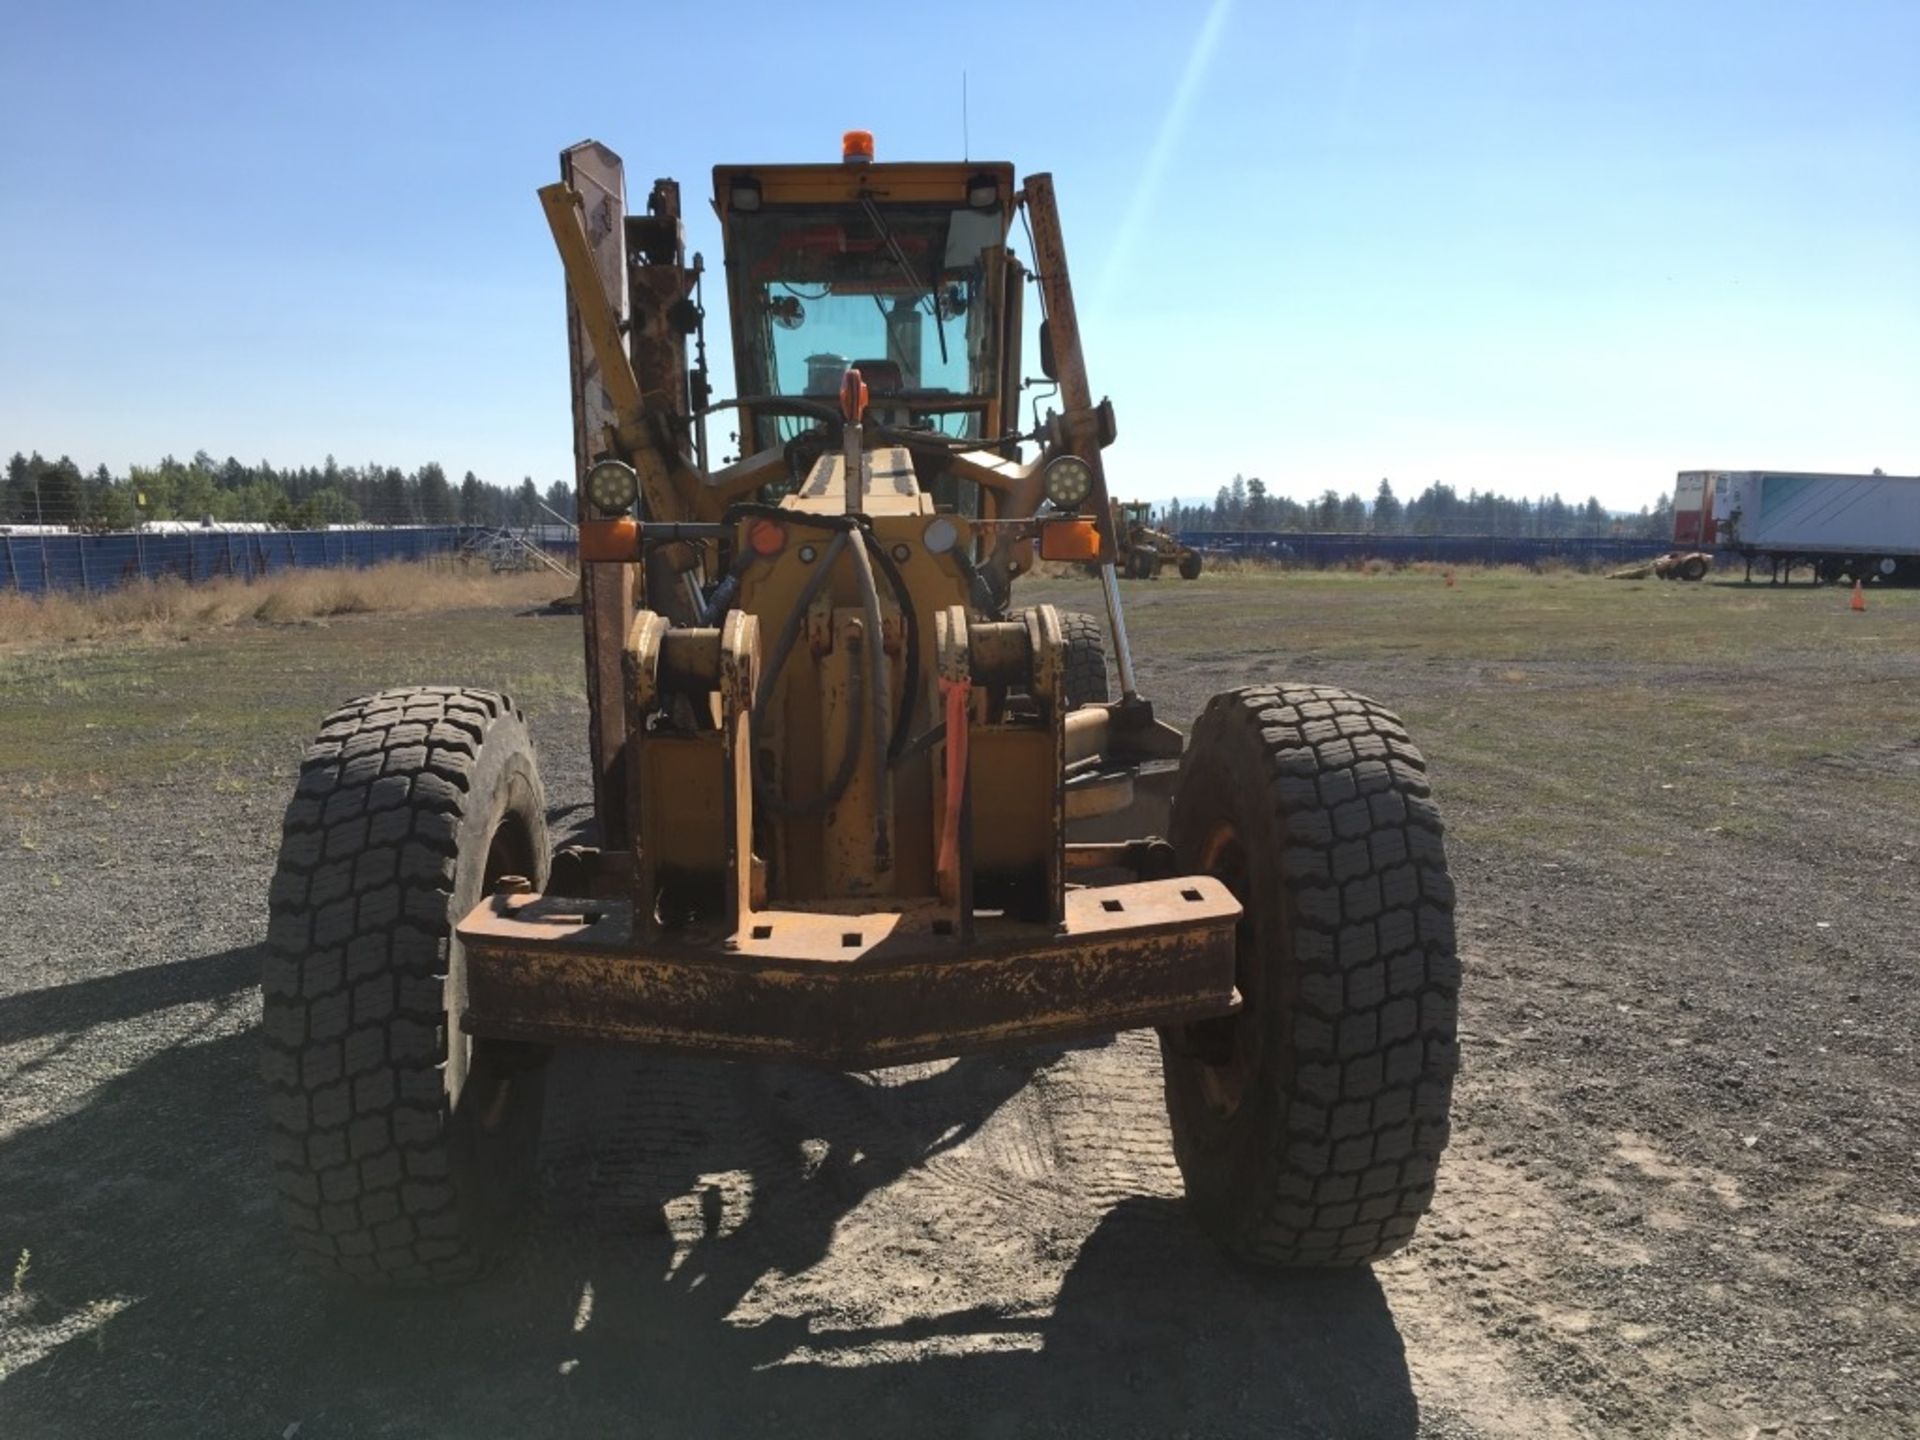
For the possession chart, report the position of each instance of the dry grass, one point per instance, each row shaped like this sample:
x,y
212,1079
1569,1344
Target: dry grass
x,y
169,607
1254,567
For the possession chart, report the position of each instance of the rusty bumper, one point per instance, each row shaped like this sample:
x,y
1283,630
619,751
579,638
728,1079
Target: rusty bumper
x,y
853,990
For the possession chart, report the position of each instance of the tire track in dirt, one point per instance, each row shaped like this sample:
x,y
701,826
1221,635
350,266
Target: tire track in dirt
x,y
872,1210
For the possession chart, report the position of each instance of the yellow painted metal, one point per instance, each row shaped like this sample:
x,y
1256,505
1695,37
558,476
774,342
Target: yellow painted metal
x,y
942,183
1107,794
887,486
735,683
847,826
1087,732
681,828
671,488
1013,779
567,219
773,910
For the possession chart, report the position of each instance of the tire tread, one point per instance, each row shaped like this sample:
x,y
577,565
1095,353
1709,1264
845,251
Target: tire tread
x,y
356,962
1358,1107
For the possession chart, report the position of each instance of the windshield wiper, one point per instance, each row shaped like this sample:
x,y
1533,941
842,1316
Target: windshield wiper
x,y
900,259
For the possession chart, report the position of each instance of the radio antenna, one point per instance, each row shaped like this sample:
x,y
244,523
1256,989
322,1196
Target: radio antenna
x,y
965,143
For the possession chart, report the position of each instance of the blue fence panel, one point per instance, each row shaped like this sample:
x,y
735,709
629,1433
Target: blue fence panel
x,y
35,564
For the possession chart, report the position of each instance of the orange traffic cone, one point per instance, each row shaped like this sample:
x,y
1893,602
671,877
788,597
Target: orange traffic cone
x,y
1859,601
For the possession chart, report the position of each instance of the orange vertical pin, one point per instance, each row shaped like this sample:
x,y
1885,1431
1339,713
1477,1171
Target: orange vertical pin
x,y
1859,601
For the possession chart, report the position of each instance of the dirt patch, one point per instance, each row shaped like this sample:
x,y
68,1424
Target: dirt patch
x,y
1680,1198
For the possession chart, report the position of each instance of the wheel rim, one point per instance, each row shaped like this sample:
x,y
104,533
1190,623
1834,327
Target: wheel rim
x,y
1228,1055
509,852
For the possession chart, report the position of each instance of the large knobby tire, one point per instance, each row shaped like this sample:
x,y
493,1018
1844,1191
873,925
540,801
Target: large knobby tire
x,y
403,1150
1190,565
1309,1128
1086,639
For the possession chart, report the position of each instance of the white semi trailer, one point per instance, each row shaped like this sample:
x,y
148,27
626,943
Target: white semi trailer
x,y
1841,527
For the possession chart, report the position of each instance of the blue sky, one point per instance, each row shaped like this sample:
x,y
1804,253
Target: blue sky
x,y
1517,246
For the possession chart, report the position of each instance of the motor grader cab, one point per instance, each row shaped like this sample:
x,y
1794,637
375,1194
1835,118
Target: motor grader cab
x,y
851,806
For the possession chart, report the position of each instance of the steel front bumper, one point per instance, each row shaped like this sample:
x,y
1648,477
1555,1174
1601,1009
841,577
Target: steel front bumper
x,y
851,990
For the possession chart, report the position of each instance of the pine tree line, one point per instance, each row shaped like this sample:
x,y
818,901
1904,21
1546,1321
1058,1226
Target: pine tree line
x,y
57,492
38,491
1438,510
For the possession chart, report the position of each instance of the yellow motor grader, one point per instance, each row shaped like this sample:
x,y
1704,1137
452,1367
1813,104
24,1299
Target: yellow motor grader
x,y
1143,549
852,807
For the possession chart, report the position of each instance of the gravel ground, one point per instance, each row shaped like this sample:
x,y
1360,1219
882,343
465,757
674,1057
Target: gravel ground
x,y
1681,1197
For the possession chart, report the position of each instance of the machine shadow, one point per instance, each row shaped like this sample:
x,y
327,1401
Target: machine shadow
x,y
29,1014
161,1298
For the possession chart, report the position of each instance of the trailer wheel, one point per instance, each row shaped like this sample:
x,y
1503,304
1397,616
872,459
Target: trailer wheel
x,y
1693,567
1190,565
1309,1127
402,1149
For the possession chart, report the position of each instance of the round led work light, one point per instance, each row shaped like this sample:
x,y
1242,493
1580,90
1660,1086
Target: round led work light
x,y
1069,480
613,486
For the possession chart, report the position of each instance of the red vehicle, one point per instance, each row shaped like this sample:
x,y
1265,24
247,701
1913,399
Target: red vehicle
x,y
1694,527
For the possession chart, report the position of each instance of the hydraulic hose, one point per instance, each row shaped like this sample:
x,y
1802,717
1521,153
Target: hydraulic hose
x,y
842,525
878,694
769,679
910,624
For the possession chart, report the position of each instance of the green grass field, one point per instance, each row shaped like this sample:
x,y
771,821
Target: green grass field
x,y
1534,688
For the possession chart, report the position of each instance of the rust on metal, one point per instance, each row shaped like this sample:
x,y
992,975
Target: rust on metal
x,y
1082,419
862,857
847,987
585,212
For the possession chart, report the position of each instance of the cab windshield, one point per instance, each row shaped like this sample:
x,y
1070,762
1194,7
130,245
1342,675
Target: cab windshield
x,y
901,292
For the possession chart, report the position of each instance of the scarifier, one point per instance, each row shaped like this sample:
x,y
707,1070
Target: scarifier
x,y
852,807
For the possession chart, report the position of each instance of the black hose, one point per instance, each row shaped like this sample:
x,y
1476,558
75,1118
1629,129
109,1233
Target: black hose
x,y
925,740
791,404
876,646
910,621
843,772
896,733
843,525
831,417
940,440
769,678
759,508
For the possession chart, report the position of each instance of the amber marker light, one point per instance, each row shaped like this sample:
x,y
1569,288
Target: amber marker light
x,y
856,147
853,396
766,538
603,540
1069,540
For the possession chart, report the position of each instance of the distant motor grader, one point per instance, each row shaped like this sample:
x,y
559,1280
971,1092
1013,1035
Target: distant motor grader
x,y
851,806
1143,549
